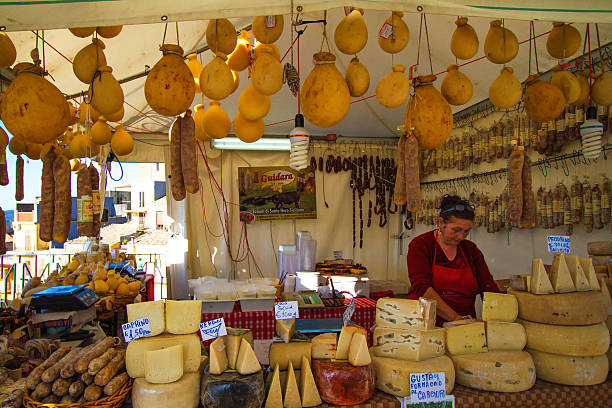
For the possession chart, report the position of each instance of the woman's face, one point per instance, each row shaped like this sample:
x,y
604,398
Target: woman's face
x,y
454,230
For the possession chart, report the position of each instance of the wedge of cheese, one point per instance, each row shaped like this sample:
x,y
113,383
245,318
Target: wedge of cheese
x,y
324,345
429,310
247,362
292,395
570,370
308,389
346,335
409,344
606,294
589,272
505,336
283,353
275,394
154,311
578,276
560,276
358,351
285,329
539,283
581,341
499,307
134,355
183,316
466,338
164,366
232,341
217,357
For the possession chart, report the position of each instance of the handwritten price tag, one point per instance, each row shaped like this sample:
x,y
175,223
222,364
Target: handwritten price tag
x,y
386,31
558,243
427,387
213,329
286,310
136,329
348,313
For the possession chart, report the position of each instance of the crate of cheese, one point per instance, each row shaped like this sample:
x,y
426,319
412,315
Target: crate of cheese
x,y
91,376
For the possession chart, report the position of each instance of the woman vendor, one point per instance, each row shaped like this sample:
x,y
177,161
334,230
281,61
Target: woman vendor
x,y
445,266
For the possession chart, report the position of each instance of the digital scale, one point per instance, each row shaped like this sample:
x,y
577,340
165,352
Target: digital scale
x,y
60,298
122,267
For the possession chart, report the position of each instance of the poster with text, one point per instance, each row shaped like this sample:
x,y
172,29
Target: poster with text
x,y
277,193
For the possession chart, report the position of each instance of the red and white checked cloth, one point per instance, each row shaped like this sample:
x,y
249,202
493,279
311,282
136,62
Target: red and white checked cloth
x,y
263,325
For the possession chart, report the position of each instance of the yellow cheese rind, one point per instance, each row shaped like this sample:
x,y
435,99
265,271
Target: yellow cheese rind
x,y
409,344
218,357
154,310
499,307
232,340
582,341
570,370
393,375
606,295
183,316
499,371
578,276
283,353
567,309
429,311
344,341
539,283
292,395
275,394
164,366
184,393
405,313
358,351
134,355
466,338
308,388
285,329
561,278
324,345
505,336
589,271
247,362
399,306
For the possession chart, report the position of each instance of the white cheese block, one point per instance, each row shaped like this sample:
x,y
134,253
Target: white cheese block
x,y
409,344
308,388
184,393
384,318
582,341
606,294
589,271
429,310
358,351
134,355
578,276
570,370
232,343
247,362
499,307
164,366
283,353
292,395
540,283
154,311
393,376
324,345
560,276
399,306
346,335
217,357
499,371
505,336
285,329
275,394
183,316
466,338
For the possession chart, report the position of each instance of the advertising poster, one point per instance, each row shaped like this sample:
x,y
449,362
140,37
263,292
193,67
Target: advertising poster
x,y
277,193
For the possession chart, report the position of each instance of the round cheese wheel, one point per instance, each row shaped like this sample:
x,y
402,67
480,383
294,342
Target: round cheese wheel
x,y
340,383
570,370
182,393
583,341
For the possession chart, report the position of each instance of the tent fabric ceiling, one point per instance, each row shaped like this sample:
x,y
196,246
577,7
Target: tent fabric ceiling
x,y
136,48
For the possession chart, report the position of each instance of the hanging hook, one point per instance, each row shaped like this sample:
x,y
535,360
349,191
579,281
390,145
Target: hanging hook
x,y
565,167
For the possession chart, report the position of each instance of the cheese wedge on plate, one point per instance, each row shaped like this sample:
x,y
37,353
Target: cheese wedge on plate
x,y
247,362
358,351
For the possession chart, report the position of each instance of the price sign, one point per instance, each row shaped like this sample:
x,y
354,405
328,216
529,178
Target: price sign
x,y
348,313
427,387
270,21
558,243
386,31
136,329
213,329
286,310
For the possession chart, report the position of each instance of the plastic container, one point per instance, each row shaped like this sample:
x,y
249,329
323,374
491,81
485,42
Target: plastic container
x,y
246,292
266,291
204,292
307,281
226,292
288,260
308,252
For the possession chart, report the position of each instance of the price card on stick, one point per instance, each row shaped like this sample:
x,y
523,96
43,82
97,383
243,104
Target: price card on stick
x,y
348,313
558,243
212,329
136,329
286,310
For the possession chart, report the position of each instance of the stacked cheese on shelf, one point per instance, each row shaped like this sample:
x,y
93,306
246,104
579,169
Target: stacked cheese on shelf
x,y
234,377
292,383
406,341
563,315
601,256
489,355
166,364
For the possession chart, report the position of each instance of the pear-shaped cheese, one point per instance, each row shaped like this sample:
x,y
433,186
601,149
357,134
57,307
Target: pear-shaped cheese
x,y
216,79
105,91
246,130
109,31
8,52
456,86
100,132
240,58
82,32
122,142
583,81
195,67
88,59
464,42
543,101
267,73
602,89
563,40
506,90
215,121
394,34
268,29
221,36
501,45
357,78
393,88
567,83
351,34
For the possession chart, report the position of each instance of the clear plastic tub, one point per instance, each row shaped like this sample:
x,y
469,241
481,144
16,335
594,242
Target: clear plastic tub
x,y
246,292
205,292
266,291
226,292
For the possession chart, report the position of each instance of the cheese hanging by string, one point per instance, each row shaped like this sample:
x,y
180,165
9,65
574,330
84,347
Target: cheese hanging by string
x,y
216,79
357,78
563,40
501,45
268,29
351,33
464,42
87,61
105,91
221,36
568,83
394,34
543,100
456,86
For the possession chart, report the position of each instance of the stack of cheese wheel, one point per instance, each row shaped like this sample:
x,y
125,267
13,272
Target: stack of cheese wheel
x,y
601,257
292,382
563,314
489,355
166,363
406,341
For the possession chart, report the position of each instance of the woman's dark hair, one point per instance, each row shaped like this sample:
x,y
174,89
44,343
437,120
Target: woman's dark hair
x,y
455,206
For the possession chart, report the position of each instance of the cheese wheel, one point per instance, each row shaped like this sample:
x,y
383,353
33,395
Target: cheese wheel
x,y
505,336
231,389
500,307
567,309
340,383
164,366
499,371
408,344
282,353
582,341
466,338
182,393
570,370
134,356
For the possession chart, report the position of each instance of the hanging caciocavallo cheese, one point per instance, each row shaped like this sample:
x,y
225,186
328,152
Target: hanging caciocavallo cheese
x,y
100,132
82,32
582,341
501,45
105,91
393,89
506,90
351,33
464,42
325,96
216,79
240,58
570,370
253,105
196,69
505,336
357,78
543,101
456,86
394,34
266,48
198,116
8,52
115,116
32,107
428,114
170,88
246,130
215,121
109,31
87,61
602,89
583,81
266,72
563,40
567,82
221,36
268,29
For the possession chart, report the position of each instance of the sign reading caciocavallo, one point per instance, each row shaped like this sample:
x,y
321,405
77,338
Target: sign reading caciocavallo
x,y
277,193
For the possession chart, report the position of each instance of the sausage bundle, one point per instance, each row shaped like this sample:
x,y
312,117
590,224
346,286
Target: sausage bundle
x,y
183,159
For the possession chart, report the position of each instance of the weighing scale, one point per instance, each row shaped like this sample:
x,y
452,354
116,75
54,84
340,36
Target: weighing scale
x,y
60,298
